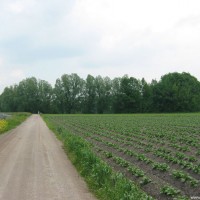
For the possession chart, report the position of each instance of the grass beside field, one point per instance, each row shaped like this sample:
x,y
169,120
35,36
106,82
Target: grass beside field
x,y
14,120
101,179
160,153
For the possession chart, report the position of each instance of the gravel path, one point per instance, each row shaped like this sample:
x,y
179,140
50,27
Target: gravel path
x,y
33,166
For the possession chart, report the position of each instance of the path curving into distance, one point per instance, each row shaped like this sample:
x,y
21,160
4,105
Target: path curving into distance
x,y
33,166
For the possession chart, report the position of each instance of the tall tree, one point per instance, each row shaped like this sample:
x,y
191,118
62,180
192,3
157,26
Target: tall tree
x,y
128,99
146,97
90,95
177,92
45,96
29,95
68,93
9,100
117,97
58,98
103,94
27,92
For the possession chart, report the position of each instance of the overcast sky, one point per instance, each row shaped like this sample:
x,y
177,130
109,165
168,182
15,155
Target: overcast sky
x,y
141,38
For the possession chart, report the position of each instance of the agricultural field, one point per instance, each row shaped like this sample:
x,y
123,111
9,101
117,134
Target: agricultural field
x,y
160,153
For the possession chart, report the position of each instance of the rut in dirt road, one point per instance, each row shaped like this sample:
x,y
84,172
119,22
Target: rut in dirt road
x,y
33,166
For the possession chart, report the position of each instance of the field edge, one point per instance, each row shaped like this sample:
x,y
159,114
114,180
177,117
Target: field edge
x,y
102,181
15,120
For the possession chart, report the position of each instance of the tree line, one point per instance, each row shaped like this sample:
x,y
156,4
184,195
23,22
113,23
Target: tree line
x,y
174,92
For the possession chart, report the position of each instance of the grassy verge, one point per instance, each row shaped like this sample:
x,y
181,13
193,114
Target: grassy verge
x,y
14,120
101,179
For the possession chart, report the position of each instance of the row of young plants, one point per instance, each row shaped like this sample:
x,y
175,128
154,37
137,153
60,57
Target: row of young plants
x,y
108,143
155,165
176,157
135,171
95,131
164,189
85,135
151,132
167,155
149,148
102,180
167,189
179,158
162,129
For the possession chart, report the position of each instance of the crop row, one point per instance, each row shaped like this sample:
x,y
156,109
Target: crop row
x,y
127,142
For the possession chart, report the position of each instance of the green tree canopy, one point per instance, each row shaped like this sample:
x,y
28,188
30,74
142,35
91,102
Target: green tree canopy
x,y
175,92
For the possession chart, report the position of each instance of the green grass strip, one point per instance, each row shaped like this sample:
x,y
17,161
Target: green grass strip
x,y
14,120
101,179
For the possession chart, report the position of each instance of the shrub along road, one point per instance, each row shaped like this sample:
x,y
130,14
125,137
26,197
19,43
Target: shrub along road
x,y
33,165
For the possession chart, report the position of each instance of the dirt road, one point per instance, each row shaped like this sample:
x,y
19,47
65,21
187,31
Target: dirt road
x,y
33,166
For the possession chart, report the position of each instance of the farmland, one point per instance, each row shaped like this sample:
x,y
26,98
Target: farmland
x,y
160,153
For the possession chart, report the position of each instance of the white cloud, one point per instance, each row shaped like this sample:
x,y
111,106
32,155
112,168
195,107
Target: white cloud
x,y
9,77
107,37
1,61
17,74
16,7
20,6
131,15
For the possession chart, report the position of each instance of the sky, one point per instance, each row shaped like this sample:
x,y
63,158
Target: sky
x,y
49,38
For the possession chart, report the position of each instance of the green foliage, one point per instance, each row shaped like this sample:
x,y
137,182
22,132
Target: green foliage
x,y
185,178
67,94
121,161
169,191
15,119
175,92
181,198
108,154
89,103
145,180
122,140
180,155
29,95
160,166
101,179
136,171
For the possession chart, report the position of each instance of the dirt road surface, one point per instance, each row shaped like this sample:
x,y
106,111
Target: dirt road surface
x,y
33,166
